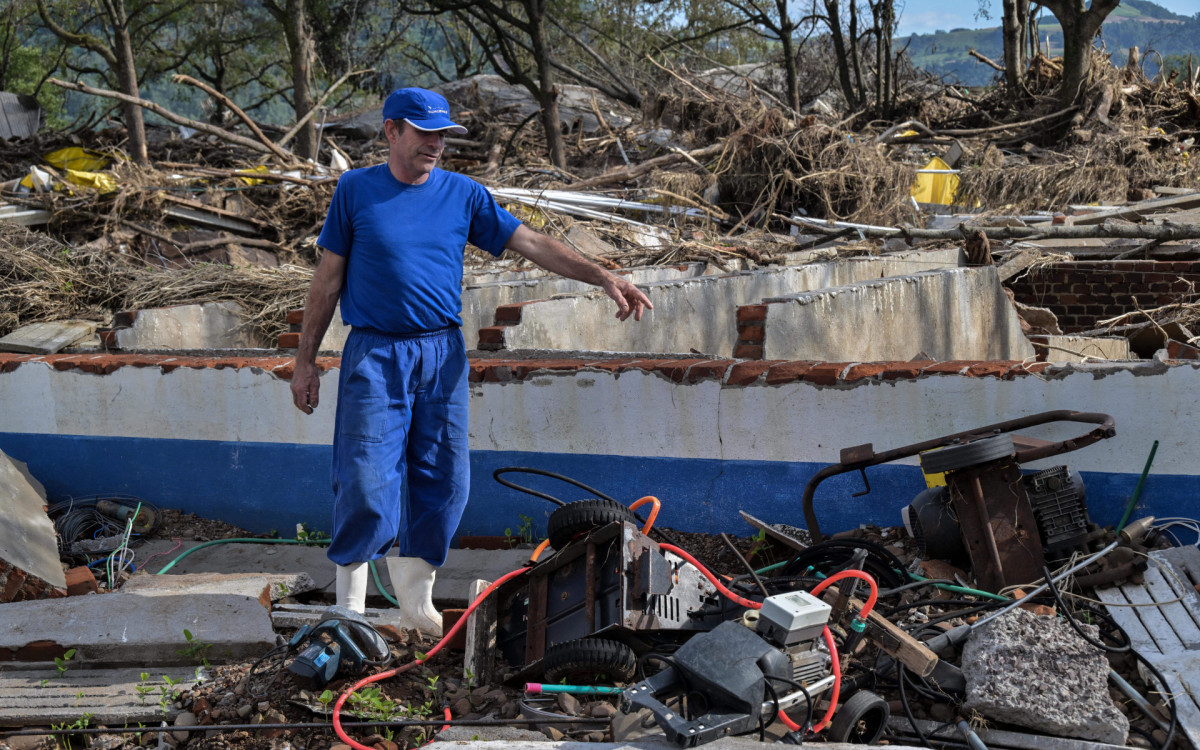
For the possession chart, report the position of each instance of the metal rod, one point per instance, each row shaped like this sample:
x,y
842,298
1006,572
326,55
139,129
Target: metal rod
x,y
1137,492
985,520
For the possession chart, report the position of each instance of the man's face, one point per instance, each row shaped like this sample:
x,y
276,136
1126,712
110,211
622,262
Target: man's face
x,y
413,153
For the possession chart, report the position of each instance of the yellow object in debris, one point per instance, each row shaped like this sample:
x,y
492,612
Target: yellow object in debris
x,y
936,480
260,169
532,216
105,183
76,158
935,188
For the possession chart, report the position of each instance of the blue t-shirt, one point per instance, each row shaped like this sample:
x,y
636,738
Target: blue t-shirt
x,y
404,243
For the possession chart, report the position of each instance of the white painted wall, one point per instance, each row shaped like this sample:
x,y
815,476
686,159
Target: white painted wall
x,y
212,325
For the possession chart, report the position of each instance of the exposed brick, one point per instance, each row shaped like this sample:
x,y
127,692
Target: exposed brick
x,y
491,335
752,333
613,365
989,369
289,341
108,338
714,369
1180,350
511,313
676,369
81,581
825,373
295,317
865,370
40,651
125,318
475,371
745,373
8,365
748,351
952,367
14,582
787,372
65,363
902,370
525,368
751,313
498,374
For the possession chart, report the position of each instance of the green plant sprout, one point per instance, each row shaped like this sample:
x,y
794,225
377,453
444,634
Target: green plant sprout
x,y
143,690
60,662
195,649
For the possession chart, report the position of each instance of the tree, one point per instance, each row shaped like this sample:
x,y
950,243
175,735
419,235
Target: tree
x,y
1080,24
117,32
292,18
873,86
1014,27
23,59
779,25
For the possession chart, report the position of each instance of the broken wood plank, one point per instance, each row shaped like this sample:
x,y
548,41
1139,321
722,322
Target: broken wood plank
x,y
46,338
773,532
894,641
480,657
1135,211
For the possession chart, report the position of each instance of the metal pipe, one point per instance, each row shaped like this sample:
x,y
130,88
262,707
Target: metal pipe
x,y
1139,699
972,739
1065,574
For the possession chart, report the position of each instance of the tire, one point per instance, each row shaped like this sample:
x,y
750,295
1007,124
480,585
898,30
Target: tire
x,y
963,456
861,720
572,519
585,661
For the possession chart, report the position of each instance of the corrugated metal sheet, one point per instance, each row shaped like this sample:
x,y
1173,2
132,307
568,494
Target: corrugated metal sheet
x,y
20,116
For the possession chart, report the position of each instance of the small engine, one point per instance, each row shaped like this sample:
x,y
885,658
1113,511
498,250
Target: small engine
x,y
730,667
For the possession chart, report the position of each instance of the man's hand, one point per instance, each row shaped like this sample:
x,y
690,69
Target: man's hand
x,y
554,256
630,300
306,386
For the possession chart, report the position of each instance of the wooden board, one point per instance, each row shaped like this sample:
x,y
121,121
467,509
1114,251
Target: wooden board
x,y
46,338
1135,211
774,533
39,696
1165,627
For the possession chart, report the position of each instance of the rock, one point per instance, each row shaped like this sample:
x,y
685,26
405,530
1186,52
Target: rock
x,y
1036,672
595,736
184,719
244,710
940,712
462,707
602,710
568,704
553,733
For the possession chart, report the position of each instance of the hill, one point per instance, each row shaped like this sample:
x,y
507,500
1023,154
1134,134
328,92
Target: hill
x,y
1135,23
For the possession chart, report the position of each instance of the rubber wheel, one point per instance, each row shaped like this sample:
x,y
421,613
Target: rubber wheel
x,y
860,720
570,520
963,456
586,661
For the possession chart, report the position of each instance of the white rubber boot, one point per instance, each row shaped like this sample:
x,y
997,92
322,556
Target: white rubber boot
x,y
352,587
412,584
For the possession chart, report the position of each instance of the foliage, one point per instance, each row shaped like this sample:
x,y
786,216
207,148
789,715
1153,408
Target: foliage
x,y
60,662
196,649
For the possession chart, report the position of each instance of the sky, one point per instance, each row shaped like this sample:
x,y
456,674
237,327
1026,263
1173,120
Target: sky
x,y
925,16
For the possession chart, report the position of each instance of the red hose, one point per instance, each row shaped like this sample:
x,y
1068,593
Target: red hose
x,y
833,698
866,610
462,621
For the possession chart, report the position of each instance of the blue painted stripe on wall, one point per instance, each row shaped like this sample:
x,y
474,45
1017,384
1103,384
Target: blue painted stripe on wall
x,y
264,486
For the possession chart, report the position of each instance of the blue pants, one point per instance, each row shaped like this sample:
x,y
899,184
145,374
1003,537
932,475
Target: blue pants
x,y
401,465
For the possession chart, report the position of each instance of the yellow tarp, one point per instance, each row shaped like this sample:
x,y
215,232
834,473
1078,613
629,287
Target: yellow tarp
x,y
935,188
105,183
260,169
77,158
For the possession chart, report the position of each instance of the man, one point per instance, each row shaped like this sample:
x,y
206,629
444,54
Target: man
x,y
393,241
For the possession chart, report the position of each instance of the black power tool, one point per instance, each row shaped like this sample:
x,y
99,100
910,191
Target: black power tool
x,y
343,642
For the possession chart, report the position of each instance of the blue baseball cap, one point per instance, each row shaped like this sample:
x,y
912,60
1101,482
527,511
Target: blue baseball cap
x,y
422,109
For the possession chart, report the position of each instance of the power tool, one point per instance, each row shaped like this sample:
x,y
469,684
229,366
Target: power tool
x,y
343,642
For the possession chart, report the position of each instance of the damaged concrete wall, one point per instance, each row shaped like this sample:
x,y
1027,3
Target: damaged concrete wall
x,y
697,315
212,325
220,436
29,565
952,314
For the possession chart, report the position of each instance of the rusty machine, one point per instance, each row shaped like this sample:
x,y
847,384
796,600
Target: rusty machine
x,y
1004,522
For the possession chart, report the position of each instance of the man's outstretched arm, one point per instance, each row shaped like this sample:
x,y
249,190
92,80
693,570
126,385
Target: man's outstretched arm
x,y
318,311
556,257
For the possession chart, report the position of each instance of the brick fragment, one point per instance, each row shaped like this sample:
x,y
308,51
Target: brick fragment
x,y
714,369
747,372
752,333
826,373
787,372
748,351
295,317
751,313
289,341
865,370
81,581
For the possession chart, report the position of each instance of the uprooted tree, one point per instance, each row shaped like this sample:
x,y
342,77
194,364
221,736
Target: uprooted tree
x,y
1080,24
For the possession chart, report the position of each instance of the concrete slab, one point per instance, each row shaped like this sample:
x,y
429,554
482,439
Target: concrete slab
x,y
1069,348
212,325
954,314
123,629
29,564
38,695
47,338
266,587
585,322
450,588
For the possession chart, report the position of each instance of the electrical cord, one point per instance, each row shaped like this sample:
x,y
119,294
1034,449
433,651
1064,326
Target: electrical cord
x,y
808,720
1069,616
